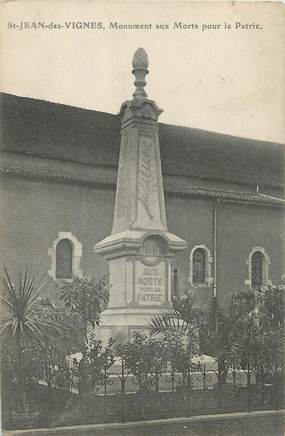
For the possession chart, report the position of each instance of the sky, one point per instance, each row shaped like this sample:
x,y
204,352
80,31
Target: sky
x,y
213,78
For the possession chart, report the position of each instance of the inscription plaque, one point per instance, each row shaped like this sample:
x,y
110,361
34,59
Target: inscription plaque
x,y
150,284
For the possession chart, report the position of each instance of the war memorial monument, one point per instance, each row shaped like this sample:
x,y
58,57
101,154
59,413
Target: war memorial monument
x,y
140,247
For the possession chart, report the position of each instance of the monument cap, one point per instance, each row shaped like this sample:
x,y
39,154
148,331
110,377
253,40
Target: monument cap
x,y
140,70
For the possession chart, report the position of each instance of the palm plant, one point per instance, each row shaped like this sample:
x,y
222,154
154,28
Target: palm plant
x,y
249,329
183,318
23,322
215,330
22,317
263,334
219,337
182,323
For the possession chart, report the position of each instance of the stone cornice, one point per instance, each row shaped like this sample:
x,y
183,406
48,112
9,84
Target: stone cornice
x,y
139,110
107,183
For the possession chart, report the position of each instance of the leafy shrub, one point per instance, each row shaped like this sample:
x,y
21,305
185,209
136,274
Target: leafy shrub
x,y
86,298
145,358
90,367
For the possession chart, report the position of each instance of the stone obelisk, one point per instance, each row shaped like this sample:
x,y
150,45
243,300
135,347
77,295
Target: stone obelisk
x,y
140,248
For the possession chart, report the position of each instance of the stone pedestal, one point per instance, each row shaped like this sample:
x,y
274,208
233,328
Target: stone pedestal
x,y
140,248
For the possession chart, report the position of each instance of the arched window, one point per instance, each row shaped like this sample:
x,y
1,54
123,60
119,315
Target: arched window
x,y
200,267
258,268
64,251
257,261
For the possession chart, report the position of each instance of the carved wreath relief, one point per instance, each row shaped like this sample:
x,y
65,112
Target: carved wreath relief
x,y
147,186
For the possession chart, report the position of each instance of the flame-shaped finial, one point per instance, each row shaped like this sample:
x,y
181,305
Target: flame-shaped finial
x,y
140,59
140,65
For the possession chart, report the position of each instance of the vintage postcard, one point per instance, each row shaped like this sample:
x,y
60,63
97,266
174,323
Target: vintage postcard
x,y
142,267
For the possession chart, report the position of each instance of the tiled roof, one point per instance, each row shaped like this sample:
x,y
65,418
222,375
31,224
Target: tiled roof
x,y
169,187
51,130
